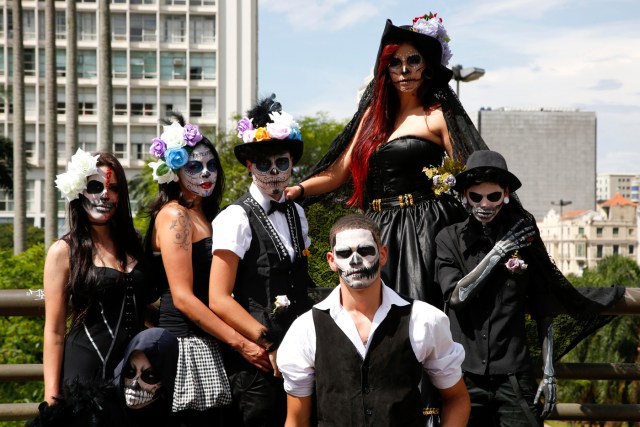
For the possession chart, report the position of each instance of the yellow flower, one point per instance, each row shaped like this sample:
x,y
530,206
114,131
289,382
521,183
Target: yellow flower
x,y
262,134
306,252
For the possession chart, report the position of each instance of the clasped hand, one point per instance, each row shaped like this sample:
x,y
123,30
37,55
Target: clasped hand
x,y
520,236
546,395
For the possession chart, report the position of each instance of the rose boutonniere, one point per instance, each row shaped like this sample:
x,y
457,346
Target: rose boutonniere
x,y
281,303
515,264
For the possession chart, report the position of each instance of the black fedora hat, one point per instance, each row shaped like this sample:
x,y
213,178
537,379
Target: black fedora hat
x,y
430,47
486,160
267,130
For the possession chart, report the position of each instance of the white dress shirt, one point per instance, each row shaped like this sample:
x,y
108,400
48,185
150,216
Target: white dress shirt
x,y
231,230
429,335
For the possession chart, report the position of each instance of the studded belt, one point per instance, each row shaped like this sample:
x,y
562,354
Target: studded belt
x,y
401,201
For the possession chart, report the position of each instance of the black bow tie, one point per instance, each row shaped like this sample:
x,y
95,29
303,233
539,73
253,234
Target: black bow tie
x,y
277,206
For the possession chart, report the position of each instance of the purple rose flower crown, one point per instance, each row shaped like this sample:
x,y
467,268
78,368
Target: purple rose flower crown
x,y
172,150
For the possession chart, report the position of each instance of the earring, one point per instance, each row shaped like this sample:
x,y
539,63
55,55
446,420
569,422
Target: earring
x,y
506,200
464,200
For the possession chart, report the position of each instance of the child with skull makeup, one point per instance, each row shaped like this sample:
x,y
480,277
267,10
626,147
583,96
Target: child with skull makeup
x,y
259,275
367,344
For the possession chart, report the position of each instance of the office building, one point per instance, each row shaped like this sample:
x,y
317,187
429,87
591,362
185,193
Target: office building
x,y
196,57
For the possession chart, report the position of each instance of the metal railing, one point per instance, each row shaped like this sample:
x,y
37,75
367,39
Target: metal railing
x,y
23,302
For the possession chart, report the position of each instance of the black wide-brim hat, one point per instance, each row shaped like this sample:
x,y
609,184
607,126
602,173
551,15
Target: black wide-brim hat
x,y
249,150
486,160
428,46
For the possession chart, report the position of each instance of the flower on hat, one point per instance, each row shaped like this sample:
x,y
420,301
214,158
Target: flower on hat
x,y
282,126
172,150
431,25
73,182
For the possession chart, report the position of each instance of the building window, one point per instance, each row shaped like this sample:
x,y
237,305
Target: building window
x,y
175,2
174,29
28,25
202,30
119,27
120,109
87,26
29,62
141,109
616,249
580,248
143,65
195,107
599,232
87,64
86,108
61,25
168,109
631,230
581,231
61,63
202,66
119,64
61,107
6,202
142,28
615,231
172,66
202,2
120,150
632,249
599,250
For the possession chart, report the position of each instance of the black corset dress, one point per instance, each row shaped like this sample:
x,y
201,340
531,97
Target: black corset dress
x,y
409,232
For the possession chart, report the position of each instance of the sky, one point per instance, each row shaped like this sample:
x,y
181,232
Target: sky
x,y
567,54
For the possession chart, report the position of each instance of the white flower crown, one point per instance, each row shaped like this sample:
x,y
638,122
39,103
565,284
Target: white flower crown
x,y
73,182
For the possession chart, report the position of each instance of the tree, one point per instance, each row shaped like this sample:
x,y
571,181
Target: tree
x,y
105,86
19,160
616,342
50,126
71,75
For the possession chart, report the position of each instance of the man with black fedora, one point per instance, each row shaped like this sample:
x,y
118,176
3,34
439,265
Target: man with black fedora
x,y
259,274
483,269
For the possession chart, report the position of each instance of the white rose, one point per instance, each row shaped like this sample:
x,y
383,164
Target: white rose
x,y
83,163
282,301
167,176
173,135
71,184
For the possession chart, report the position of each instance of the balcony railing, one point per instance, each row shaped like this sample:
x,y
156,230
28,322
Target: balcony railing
x,y
30,302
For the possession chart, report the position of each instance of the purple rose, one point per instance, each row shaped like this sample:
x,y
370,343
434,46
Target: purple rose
x,y
515,265
158,147
192,134
244,124
176,157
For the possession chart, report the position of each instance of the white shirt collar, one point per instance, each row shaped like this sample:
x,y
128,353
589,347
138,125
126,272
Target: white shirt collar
x,y
332,302
263,201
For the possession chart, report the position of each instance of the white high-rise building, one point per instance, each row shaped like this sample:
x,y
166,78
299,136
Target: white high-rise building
x,y
627,185
196,57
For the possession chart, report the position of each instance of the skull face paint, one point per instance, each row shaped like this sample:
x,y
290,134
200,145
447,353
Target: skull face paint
x,y
357,258
100,197
141,385
271,174
406,68
486,199
200,173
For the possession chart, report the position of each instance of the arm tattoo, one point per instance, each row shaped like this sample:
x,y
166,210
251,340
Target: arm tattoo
x,y
181,226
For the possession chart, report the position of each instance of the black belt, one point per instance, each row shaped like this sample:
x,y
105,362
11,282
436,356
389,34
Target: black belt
x,y
401,201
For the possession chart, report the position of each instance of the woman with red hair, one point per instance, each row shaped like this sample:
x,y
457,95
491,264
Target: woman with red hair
x,y
408,120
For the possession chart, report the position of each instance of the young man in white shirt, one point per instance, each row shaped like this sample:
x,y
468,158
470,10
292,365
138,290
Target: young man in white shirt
x,y
362,350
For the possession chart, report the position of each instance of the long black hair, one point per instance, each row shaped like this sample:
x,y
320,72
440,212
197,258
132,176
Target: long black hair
x,y
171,191
82,276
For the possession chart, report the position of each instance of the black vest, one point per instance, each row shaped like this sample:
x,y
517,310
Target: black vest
x,y
382,389
266,271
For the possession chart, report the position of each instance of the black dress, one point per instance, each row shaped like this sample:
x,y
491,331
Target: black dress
x,y
114,315
409,232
